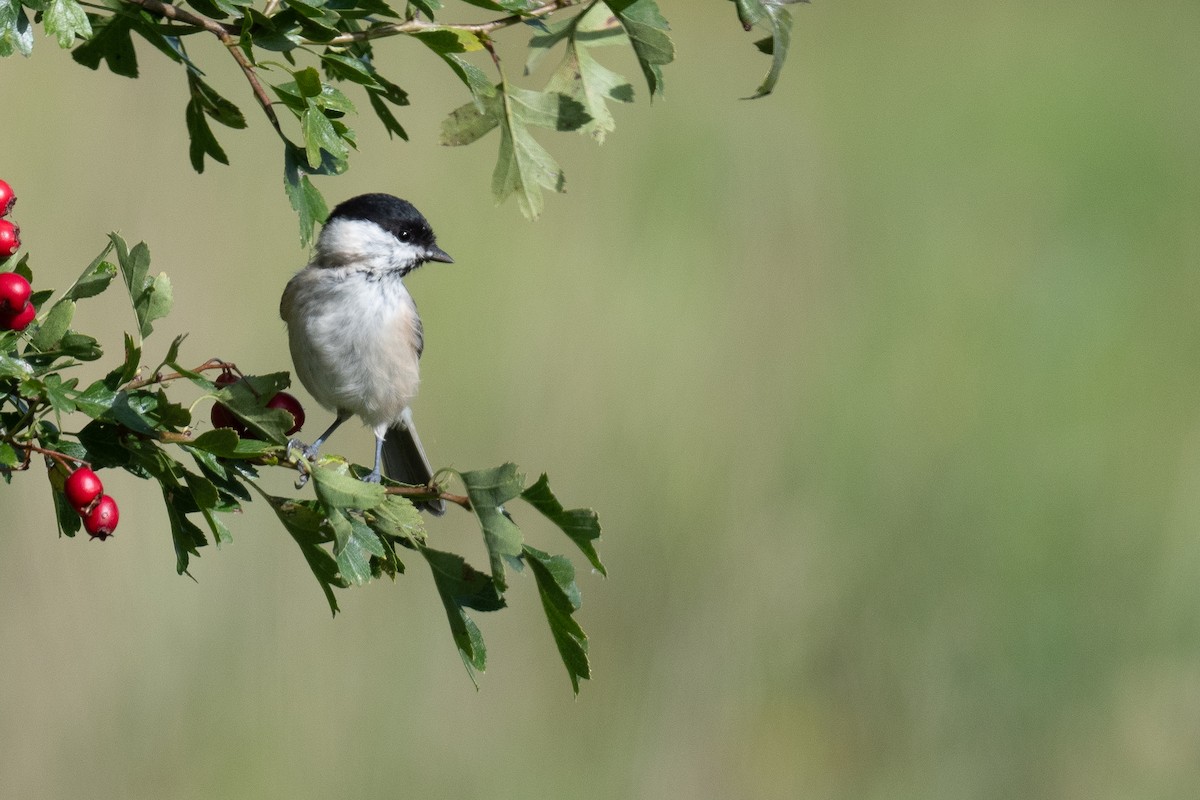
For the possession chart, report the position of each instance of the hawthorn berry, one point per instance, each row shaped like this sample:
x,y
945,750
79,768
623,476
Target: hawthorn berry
x,y
8,198
14,291
291,405
102,520
17,321
82,488
10,239
221,416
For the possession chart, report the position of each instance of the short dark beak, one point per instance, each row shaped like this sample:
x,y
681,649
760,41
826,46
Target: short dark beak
x,y
435,253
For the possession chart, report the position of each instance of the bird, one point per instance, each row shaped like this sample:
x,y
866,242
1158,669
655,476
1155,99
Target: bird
x,y
354,333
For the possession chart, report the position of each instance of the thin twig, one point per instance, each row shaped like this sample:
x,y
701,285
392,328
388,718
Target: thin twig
x,y
160,377
430,493
419,25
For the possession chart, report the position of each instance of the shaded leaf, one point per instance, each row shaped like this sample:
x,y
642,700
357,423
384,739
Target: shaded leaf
x,y
647,31
110,43
523,166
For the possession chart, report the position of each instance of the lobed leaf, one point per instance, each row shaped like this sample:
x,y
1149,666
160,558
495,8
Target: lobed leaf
x,y
647,31
489,490
555,578
65,20
580,524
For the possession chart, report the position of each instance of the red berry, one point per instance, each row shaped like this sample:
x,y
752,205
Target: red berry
x,y
226,378
18,321
102,520
82,488
10,239
14,291
7,198
222,417
292,406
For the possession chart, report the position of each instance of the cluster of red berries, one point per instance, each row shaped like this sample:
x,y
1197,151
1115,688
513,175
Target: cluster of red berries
x,y
16,312
222,417
86,495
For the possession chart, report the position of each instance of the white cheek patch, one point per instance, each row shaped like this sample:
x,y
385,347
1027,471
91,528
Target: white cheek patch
x,y
344,241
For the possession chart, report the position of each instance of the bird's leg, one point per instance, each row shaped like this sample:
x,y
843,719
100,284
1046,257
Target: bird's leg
x,y
373,476
310,451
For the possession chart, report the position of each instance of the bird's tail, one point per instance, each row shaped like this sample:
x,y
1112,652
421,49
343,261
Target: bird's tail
x,y
404,460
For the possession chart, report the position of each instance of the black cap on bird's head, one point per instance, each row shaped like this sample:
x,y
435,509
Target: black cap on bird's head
x,y
398,217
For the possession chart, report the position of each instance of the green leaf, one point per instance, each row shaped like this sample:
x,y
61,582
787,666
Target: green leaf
x,y
647,31
780,21
110,43
354,557
94,280
185,534
151,296
55,326
65,19
154,302
8,455
461,586
80,346
16,34
201,141
449,40
489,490
427,6
227,444
67,517
319,135
207,498
339,491
396,517
390,123
523,166
583,78
97,400
129,368
306,200
303,521
58,393
247,400
210,101
580,524
308,81
555,578
505,5
13,367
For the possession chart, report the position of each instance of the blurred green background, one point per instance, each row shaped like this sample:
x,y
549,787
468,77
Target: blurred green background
x,y
884,387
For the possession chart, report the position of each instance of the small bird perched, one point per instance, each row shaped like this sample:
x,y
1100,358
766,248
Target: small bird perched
x,y
354,332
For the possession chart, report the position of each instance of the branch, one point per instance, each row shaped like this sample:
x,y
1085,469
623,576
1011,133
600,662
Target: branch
x,y
228,36
419,25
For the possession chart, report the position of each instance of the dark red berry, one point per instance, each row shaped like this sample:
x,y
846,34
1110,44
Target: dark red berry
x,y
7,198
222,417
82,488
292,406
10,239
102,520
14,291
18,321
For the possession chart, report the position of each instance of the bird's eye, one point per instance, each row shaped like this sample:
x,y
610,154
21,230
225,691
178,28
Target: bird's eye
x,y
405,236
